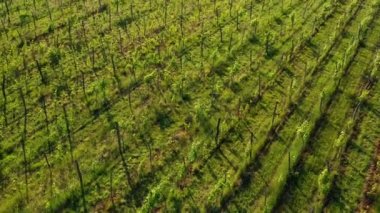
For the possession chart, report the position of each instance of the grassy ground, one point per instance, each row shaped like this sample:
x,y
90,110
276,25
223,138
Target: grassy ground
x,y
341,109
188,105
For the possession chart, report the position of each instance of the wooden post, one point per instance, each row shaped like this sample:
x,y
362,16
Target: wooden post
x,y
68,131
50,174
42,77
3,88
23,142
115,74
121,153
81,185
111,189
217,133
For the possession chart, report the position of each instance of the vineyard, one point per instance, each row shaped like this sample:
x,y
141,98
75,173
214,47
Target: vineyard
x,y
190,106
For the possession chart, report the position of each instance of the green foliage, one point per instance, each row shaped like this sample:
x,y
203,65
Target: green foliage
x,y
55,56
191,105
163,118
155,195
173,202
324,181
24,18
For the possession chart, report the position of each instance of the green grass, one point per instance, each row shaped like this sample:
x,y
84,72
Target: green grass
x,y
182,105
